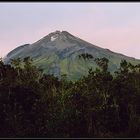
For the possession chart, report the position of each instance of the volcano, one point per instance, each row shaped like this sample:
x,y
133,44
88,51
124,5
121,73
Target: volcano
x,y
58,54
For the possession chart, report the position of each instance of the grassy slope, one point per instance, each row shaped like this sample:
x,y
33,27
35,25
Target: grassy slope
x,y
74,67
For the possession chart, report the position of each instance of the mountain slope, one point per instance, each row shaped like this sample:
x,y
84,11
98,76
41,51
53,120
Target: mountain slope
x,y
57,53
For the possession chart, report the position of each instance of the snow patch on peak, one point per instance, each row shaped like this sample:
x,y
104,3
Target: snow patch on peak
x,y
54,37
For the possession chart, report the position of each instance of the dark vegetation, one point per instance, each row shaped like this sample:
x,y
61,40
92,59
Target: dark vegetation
x,y
33,104
85,56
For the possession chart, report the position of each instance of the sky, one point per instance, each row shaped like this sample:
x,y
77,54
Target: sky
x,y
115,25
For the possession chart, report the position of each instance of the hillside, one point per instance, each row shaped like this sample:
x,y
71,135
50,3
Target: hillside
x,y
58,54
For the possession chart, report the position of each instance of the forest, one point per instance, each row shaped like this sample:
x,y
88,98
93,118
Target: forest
x,y
37,105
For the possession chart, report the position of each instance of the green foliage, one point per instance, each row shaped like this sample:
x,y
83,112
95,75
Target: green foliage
x,y
103,63
33,104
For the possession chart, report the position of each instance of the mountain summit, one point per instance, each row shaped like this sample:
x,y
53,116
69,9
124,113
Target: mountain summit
x,y
58,54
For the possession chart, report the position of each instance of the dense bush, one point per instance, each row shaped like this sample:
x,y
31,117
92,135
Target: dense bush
x,y
33,104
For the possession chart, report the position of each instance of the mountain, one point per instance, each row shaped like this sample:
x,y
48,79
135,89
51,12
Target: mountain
x,y
58,54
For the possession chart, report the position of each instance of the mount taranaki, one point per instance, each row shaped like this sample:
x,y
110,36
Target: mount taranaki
x,y
57,54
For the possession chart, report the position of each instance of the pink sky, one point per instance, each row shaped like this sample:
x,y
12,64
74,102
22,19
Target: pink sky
x,y
109,25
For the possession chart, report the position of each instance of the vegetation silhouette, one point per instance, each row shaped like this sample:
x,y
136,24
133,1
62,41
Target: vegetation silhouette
x,y
34,104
